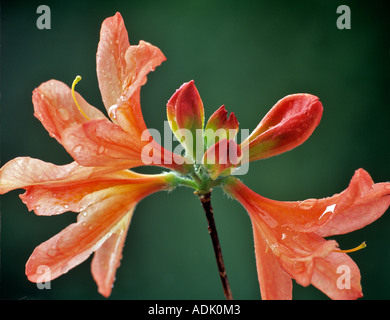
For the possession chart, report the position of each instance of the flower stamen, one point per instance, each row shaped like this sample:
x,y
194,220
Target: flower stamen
x,y
359,247
75,81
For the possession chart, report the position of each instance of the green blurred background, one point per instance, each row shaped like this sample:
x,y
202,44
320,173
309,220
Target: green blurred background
x,y
244,54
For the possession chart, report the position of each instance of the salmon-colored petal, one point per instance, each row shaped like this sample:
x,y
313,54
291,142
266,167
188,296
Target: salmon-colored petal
x,y
296,252
54,106
122,70
140,60
337,276
287,125
304,256
357,206
75,243
104,210
360,204
110,59
275,283
103,143
107,258
52,189
57,198
25,171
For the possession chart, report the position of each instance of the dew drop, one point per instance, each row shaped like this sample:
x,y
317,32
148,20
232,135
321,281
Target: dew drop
x,y
308,204
325,215
37,207
101,150
112,111
66,206
52,252
82,216
77,149
63,114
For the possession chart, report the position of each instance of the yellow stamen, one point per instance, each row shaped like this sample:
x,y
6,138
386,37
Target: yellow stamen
x,y
75,81
362,246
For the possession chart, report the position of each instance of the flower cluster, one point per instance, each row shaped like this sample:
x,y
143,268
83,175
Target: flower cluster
x,y
101,188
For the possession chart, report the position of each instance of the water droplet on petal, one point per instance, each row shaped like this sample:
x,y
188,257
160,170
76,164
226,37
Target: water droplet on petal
x,y
63,114
308,204
325,215
82,216
52,252
37,207
101,150
66,206
274,246
77,149
112,111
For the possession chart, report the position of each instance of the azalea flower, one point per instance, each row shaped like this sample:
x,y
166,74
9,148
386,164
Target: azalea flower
x,y
105,202
105,193
289,239
101,188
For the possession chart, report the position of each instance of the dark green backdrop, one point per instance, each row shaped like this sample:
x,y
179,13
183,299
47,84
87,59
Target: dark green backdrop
x,y
244,54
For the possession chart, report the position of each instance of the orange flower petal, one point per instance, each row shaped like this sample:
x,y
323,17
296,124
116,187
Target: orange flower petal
x,y
275,283
107,258
338,277
104,212
122,70
293,232
357,206
110,59
55,108
103,143
306,257
25,171
75,243
52,189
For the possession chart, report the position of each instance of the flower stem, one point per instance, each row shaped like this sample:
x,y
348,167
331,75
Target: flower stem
x,y
205,199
